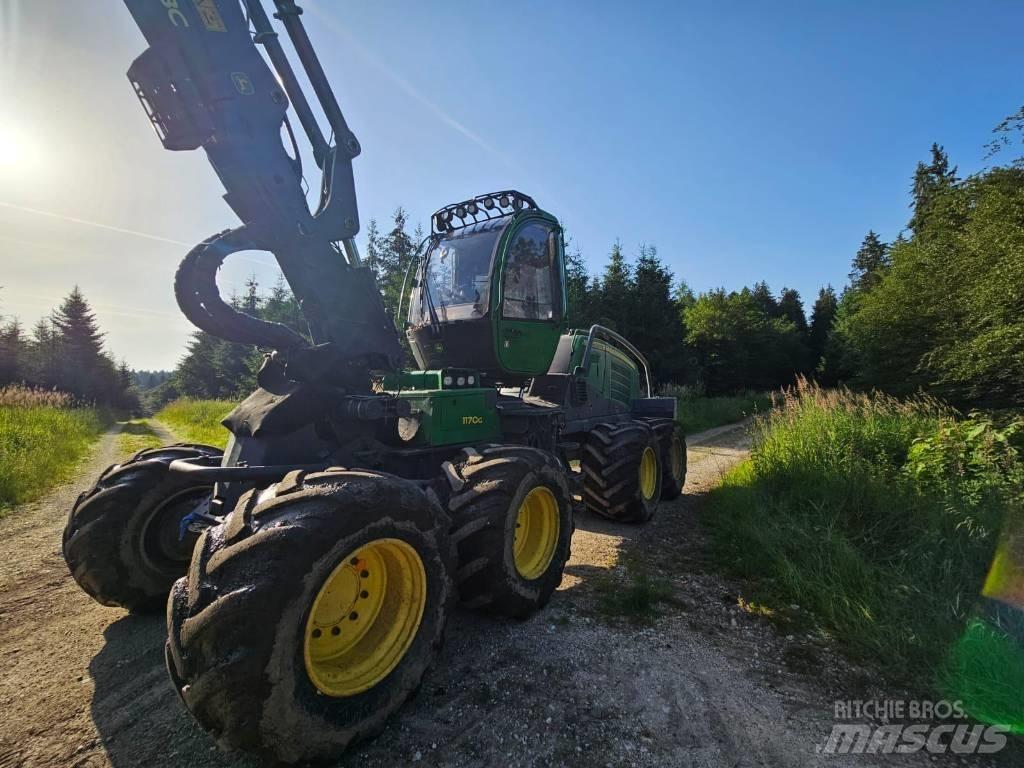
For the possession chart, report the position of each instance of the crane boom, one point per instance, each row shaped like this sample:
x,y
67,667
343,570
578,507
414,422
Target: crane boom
x,y
204,83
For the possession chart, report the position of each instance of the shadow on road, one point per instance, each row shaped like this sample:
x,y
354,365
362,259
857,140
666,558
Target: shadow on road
x,y
137,713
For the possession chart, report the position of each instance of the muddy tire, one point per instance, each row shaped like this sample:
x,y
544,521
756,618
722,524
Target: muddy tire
x,y
121,539
622,477
311,613
512,524
673,457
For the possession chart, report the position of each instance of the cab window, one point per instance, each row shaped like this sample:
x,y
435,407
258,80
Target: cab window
x,y
531,280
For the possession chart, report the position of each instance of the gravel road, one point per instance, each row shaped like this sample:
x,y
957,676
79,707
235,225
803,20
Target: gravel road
x,y
706,684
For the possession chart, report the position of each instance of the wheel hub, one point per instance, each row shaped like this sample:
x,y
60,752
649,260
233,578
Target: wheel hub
x,y
537,529
648,473
365,617
678,456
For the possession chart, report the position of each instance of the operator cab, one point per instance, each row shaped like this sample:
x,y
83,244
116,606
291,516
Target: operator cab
x,y
489,293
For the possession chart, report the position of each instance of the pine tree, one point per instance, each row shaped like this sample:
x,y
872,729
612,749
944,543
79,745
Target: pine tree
x,y
870,263
12,352
655,326
577,288
281,307
616,290
791,308
823,316
75,325
82,368
42,366
764,299
930,181
250,303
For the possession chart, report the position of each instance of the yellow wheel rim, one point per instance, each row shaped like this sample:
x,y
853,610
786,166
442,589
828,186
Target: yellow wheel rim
x,y
365,617
678,456
648,473
536,537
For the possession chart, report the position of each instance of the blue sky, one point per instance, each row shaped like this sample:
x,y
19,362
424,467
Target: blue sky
x,y
746,140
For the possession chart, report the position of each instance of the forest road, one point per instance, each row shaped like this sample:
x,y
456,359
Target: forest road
x,y
705,684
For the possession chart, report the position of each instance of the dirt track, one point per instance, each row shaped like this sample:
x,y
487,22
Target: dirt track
x,y
705,685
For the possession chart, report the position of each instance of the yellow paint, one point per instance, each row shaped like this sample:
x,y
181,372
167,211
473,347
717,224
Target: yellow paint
x,y
365,617
678,457
648,473
536,537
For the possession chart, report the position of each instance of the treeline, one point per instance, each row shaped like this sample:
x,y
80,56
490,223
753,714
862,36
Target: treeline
x,y
65,351
941,309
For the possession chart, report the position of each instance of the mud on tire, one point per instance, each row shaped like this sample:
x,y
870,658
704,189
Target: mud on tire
x,y
611,463
488,490
237,624
121,539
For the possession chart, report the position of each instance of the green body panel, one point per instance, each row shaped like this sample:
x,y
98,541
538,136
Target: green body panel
x,y
612,372
418,380
453,416
525,347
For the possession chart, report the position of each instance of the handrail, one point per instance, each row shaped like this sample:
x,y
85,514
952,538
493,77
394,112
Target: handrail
x,y
610,335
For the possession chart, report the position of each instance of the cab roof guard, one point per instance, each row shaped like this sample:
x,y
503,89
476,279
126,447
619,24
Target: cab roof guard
x,y
480,208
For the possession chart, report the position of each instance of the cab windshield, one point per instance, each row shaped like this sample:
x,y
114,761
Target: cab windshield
x,y
456,276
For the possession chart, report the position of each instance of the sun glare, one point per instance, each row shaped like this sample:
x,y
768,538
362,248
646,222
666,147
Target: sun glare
x,y
20,152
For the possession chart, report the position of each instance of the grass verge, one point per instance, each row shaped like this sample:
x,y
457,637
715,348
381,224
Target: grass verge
x,y
880,517
197,421
699,413
40,446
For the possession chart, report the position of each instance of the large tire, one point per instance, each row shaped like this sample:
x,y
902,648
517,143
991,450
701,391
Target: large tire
x,y
613,457
496,493
121,540
673,457
244,624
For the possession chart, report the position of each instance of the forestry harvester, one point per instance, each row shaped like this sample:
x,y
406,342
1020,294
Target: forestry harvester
x,y
308,569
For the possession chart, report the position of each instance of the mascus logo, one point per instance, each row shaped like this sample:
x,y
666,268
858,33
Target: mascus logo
x,y
472,419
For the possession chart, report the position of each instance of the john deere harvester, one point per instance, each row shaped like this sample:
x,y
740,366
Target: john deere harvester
x,y
308,570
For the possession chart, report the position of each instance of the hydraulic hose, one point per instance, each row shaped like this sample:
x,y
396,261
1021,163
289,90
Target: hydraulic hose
x,y
195,287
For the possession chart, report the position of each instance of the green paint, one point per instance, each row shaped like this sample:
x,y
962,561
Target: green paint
x,y
612,372
454,416
525,347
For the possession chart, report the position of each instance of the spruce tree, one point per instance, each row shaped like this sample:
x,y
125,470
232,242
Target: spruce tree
x,y
80,363
12,352
655,326
616,291
870,263
823,316
577,289
792,308
765,301
930,181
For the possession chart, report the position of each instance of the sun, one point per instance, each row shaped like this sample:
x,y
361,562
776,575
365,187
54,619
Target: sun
x,y
20,152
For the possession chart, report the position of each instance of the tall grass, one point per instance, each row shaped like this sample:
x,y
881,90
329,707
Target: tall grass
x,y
42,437
697,412
197,421
880,516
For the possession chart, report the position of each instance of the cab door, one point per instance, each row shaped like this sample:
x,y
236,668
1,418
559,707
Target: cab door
x,y
531,309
